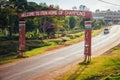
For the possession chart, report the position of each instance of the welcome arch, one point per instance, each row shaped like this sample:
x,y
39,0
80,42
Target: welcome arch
x,y
87,15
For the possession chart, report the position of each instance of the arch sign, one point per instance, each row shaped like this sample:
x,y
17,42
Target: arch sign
x,y
85,14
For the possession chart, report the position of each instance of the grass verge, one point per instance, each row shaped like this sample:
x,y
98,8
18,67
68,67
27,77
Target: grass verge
x,y
105,67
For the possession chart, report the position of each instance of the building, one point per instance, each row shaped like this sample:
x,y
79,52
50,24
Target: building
x,y
110,17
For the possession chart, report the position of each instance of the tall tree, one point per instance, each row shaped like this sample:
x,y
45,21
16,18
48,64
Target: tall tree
x,y
66,26
72,22
8,14
74,7
83,8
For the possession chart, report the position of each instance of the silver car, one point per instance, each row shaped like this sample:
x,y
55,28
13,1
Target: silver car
x,y
106,30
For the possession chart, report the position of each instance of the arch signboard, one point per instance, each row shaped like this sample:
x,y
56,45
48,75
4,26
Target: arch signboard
x,y
85,14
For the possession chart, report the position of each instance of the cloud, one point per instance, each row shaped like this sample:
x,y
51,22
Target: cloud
x,y
91,4
105,6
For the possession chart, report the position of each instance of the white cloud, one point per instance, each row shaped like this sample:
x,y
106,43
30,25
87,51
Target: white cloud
x,y
91,4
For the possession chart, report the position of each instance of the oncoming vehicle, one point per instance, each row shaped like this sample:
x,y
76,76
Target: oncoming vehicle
x,y
106,30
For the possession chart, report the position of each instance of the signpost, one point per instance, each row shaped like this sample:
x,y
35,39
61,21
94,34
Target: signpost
x,y
87,50
22,39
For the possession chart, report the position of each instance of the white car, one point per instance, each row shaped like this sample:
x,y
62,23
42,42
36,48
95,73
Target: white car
x,y
106,30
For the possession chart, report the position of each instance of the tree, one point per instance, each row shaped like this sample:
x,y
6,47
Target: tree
x,y
44,6
36,22
79,25
57,7
83,8
97,10
58,22
66,25
74,7
72,22
48,28
21,4
98,23
33,6
82,23
101,22
8,16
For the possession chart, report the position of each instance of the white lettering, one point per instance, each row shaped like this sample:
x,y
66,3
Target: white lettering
x,y
60,13
52,12
43,13
57,12
31,14
23,15
37,13
75,13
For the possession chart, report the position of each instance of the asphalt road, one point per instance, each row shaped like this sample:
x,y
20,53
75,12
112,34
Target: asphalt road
x,y
39,65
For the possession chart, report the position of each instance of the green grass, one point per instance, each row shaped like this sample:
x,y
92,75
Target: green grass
x,y
38,48
4,60
105,67
96,32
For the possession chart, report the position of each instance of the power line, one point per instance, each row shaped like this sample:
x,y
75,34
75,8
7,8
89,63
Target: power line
x,y
109,3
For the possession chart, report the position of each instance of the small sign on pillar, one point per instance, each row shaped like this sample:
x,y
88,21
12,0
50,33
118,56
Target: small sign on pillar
x,y
87,50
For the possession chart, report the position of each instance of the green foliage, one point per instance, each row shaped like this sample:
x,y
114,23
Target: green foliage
x,y
29,35
97,24
77,35
33,35
96,32
37,44
58,42
71,36
9,18
66,26
112,77
75,31
82,24
72,22
7,47
3,38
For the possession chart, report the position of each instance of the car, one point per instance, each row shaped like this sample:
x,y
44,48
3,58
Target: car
x,y
106,30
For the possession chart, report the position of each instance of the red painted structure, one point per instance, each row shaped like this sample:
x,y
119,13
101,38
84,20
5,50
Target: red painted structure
x,y
88,30
84,14
22,39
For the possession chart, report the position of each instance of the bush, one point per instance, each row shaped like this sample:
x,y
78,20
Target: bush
x,y
77,35
8,48
32,35
37,45
63,34
58,42
3,38
75,31
45,44
71,36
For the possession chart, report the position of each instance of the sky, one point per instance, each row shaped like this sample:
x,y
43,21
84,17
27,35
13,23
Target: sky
x,y
91,4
